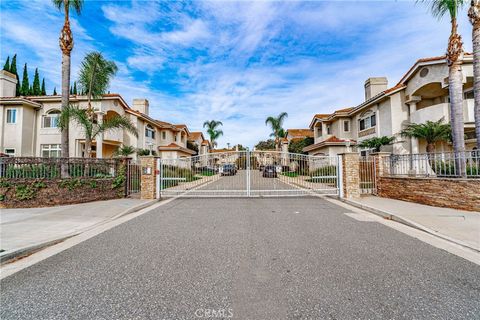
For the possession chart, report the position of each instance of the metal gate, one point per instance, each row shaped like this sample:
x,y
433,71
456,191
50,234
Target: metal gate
x,y
133,176
248,174
367,172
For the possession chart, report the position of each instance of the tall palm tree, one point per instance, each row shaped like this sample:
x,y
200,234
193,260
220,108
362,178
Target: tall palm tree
x,y
474,15
94,77
92,128
276,123
66,45
431,131
212,130
454,55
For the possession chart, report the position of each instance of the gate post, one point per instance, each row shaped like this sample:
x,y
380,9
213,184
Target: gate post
x,y
350,174
379,159
149,176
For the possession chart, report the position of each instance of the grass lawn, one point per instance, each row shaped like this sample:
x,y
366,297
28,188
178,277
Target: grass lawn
x,y
291,174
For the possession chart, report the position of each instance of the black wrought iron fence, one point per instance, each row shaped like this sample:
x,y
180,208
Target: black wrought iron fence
x,y
51,168
441,165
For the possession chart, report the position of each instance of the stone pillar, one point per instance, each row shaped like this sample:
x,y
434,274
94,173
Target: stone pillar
x,y
149,178
351,174
99,138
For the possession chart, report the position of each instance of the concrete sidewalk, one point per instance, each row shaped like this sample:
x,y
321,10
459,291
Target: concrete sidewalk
x,y
459,226
21,229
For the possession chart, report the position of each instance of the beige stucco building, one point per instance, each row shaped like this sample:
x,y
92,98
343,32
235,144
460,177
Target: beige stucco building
x,y
28,126
420,95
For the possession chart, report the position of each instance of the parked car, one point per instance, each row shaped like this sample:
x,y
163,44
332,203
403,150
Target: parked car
x,y
229,170
269,172
261,167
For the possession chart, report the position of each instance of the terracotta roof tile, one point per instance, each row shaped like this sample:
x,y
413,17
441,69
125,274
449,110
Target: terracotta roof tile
x,y
300,133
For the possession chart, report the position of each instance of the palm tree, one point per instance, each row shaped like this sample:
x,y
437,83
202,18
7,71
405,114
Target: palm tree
x,y
431,131
276,124
212,130
376,143
454,57
66,45
125,151
474,15
92,128
94,77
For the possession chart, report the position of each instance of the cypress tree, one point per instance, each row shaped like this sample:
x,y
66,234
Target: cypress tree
x,y
75,87
36,90
6,67
30,90
71,89
25,90
44,92
55,91
13,69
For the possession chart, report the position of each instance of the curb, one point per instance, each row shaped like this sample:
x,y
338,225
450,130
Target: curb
x,y
6,256
408,222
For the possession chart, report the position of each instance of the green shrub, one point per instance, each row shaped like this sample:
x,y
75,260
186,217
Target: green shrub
x,y
32,171
291,174
324,171
25,192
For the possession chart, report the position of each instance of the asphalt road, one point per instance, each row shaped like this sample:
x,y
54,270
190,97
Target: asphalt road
x,y
288,258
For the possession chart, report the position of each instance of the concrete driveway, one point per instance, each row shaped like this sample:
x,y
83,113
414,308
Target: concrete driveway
x,y
275,258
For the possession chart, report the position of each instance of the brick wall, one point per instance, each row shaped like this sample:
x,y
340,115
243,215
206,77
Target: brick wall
x,y
29,193
461,194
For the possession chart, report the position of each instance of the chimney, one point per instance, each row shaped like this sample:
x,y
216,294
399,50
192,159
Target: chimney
x,y
141,105
374,86
8,83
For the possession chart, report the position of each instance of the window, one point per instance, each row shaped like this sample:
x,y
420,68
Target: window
x,y
149,132
50,120
10,152
11,115
346,125
329,131
164,135
468,95
50,150
368,122
175,138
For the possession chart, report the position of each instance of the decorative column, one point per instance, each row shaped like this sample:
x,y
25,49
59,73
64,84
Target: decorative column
x,y
351,174
414,147
99,138
149,178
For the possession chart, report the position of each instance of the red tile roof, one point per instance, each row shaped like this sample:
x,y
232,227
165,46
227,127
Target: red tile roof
x,y
333,140
299,133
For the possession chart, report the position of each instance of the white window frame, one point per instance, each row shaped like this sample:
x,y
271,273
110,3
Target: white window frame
x,y
348,124
49,115
149,132
164,135
367,118
7,118
53,147
9,153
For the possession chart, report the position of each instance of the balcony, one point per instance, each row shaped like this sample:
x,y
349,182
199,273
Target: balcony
x,y
113,135
438,111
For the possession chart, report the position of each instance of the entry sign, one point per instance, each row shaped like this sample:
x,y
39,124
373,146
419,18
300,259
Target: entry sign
x,y
147,170
279,168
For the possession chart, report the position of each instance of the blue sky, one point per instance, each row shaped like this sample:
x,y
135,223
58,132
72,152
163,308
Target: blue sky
x,y
237,62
